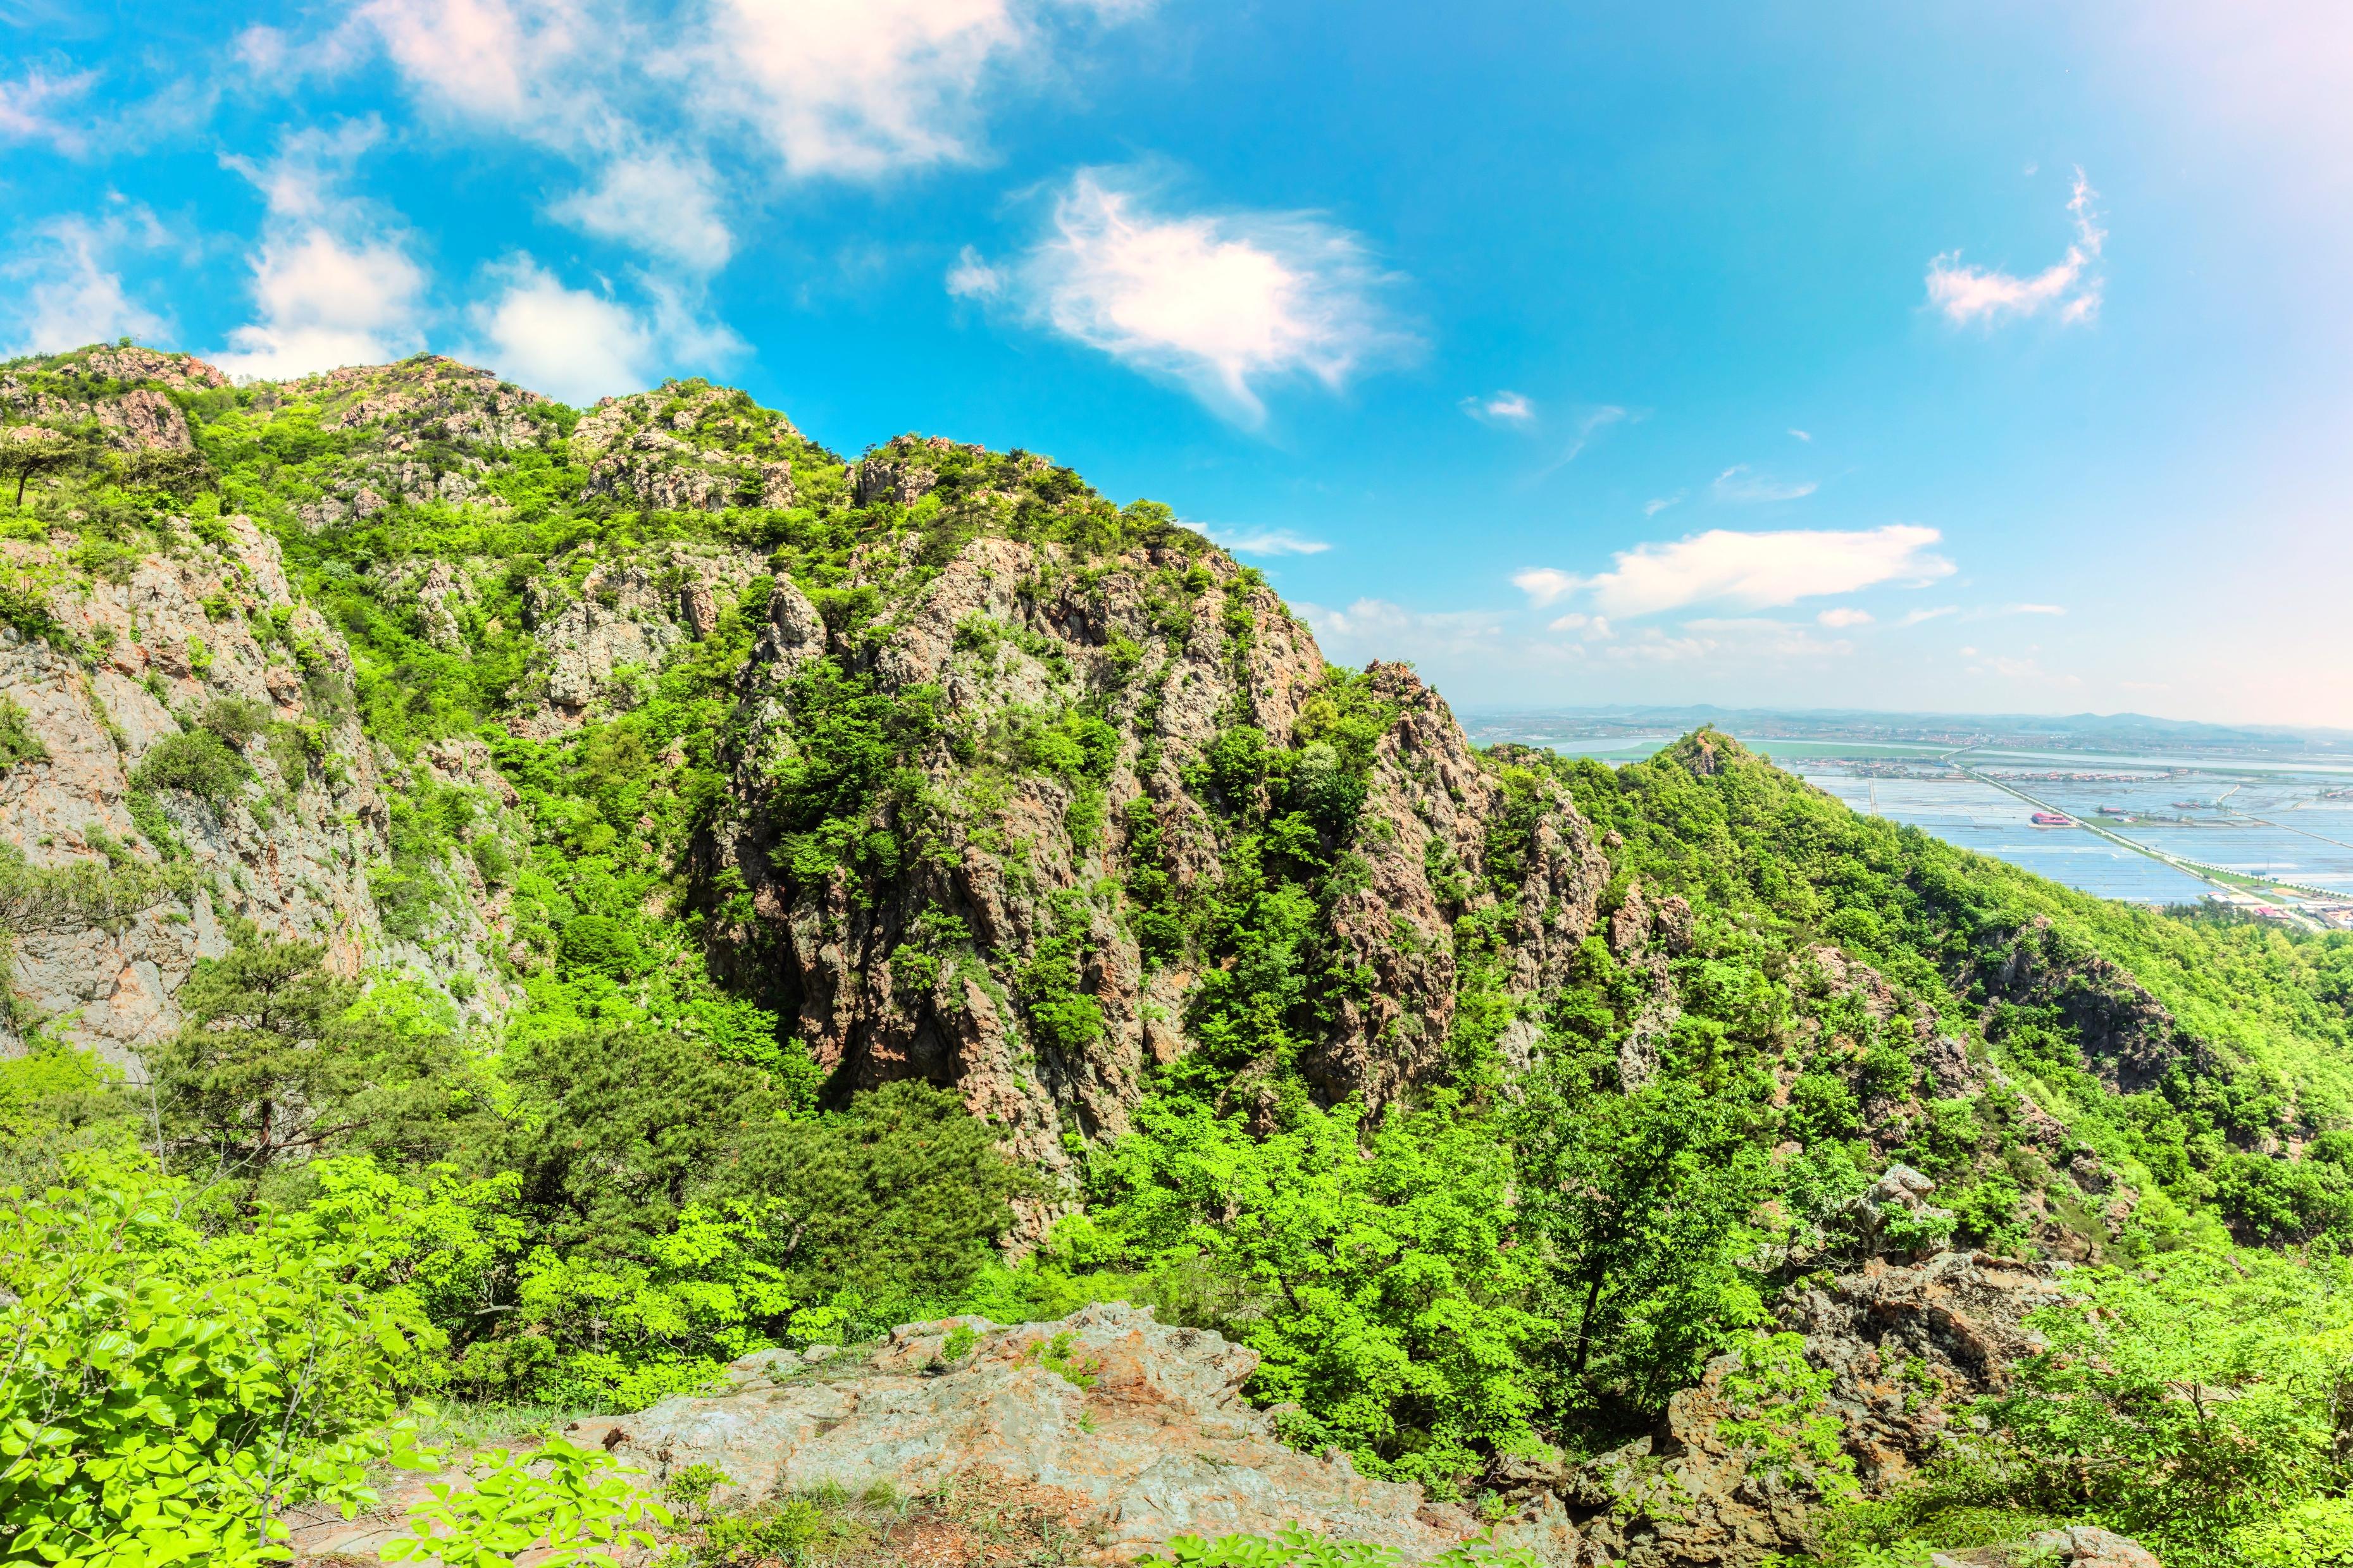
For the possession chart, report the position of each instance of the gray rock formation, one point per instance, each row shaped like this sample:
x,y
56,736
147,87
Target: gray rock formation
x,y
1145,1424
1005,631
291,849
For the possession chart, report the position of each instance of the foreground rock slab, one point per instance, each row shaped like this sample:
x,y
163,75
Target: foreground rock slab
x,y
1143,1422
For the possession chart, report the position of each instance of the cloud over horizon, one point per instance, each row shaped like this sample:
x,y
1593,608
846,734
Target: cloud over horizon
x,y
1747,571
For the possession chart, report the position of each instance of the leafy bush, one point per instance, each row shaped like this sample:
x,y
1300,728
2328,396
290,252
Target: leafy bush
x,y
566,1505
17,741
195,763
170,1395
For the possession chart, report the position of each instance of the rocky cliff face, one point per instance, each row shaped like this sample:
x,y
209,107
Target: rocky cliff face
x,y
210,630
122,638
1009,635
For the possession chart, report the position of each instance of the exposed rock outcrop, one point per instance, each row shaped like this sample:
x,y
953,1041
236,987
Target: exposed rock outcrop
x,y
1007,634
1908,1348
1143,1422
291,849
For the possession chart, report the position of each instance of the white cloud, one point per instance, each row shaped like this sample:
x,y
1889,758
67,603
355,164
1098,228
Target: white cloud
x,y
973,278
1754,571
1839,616
1542,584
2072,286
1377,628
1221,303
332,282
1802,435
2037,609
1913,617
1657,504
860,88
1741,486
659,201
1501,408
578,346
1593,628
26,107
567,343
855,90
67,292
1266,541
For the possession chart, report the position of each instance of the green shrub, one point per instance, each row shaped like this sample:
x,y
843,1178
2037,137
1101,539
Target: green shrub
x,y
195,763
17,741
169,1393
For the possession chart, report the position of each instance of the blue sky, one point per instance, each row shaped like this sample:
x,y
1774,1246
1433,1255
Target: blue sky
x,y
1986,357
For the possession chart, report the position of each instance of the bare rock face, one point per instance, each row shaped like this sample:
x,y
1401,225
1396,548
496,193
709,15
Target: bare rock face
x,y
688,447
1909,1347
290,850
630,615
1911,1344
1007,633
1143,1422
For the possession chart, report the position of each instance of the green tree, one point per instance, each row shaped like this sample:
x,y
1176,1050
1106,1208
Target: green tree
x,y
277,1058
899,1200
1383,1280
1639,1199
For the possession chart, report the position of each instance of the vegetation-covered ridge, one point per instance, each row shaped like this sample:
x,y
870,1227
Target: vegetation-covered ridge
x,y
513,904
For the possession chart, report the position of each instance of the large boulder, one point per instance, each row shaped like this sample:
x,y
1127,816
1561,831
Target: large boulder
x,y
1142,1422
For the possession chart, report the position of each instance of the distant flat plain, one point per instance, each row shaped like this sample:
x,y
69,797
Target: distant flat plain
x,y
2265,803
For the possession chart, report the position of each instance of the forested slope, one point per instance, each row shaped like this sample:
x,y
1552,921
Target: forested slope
x,y
622,889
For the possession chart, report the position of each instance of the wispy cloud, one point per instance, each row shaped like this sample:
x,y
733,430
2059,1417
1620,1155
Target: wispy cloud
x,y
973,278
1802,435
1750,571
1266,541
28,105
67,290
659,200
636,91
1378,628
332,280
1657,504
1913,617
1745,641
2018,667
1221,303
1500,408
1839,616
1742,486
2072,287
1590,421
1994,612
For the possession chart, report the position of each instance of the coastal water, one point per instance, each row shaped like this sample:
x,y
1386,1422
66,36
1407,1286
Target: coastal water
x,y
2259,817
2275,824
